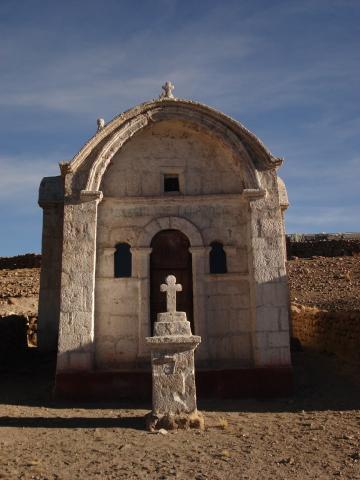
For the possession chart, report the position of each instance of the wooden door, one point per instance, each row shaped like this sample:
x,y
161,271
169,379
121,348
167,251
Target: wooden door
x,y
170,256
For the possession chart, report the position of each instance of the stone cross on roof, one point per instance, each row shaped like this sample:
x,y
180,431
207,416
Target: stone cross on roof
x,y
171,287
168,89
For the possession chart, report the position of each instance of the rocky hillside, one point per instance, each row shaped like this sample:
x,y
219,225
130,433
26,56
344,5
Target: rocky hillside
x,y
329,283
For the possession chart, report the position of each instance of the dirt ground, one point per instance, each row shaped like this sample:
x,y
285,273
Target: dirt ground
x,y
315,434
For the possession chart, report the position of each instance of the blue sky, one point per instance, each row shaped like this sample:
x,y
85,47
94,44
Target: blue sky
x,y
288,70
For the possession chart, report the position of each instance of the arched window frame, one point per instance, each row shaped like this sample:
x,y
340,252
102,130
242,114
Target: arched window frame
x,y
122,260
217,259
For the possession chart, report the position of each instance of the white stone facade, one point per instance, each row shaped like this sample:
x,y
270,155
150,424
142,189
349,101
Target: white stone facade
x,y
113,192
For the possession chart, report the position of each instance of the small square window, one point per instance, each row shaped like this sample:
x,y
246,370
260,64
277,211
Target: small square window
x,y
171,183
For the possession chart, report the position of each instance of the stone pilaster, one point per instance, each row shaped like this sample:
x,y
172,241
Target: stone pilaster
x,y
200,266
76,329
271,344
141,270
51,201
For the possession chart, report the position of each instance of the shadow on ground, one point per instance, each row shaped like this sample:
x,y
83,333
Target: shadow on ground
x,y
132,422
320,384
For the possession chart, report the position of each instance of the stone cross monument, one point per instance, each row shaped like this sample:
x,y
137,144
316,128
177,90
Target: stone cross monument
x,y
171,287
173,374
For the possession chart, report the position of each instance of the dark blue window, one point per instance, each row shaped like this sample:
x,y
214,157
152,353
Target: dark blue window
x,y
122,260
217,258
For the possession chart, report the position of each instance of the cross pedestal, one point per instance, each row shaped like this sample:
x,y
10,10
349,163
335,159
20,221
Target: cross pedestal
x,y
173,373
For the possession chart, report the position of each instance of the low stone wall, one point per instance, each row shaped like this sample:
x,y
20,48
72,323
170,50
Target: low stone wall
x,y
29,260
330,332
322,245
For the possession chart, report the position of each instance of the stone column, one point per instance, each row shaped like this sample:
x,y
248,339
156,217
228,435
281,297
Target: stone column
x,y
173,373
51,200
270,290
49,298
141,270
76,330
200,266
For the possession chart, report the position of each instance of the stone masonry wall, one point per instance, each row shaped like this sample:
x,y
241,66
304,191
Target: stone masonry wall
x,y
330,332
271,323
49,299
205,167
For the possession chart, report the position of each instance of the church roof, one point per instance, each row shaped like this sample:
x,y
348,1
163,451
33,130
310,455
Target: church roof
x,y
167,106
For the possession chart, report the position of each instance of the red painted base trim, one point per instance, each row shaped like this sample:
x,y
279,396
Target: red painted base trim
x,y
236,383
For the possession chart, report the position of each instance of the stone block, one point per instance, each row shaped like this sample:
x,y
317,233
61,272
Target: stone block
x,y
238,301
230,349
268,294
261,341
239,321
164,223
150,183
173,374
218,302
76,331
133,185
62,362
217,322
75,295
278,339
193,184
272,357
284,318
211,288
119,325
105,351
80,361
267,319
126,348
282,293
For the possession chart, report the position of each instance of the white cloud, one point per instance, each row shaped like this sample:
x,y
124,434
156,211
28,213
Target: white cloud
x,y
233,56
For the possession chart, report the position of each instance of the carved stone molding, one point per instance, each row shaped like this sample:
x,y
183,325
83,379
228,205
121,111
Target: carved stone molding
x,y
91,195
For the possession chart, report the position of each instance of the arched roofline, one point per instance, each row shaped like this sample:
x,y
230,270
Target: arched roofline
x,y
110,138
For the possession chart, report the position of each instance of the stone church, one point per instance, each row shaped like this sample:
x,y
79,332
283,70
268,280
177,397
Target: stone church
x,y
170,186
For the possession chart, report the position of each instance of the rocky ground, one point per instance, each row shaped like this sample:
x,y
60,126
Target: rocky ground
x,y
19,291
315,434
329,283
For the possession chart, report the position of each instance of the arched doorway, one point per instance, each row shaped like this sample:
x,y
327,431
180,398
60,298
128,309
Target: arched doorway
x,y
170,256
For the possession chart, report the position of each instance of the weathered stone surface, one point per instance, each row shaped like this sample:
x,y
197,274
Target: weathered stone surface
x,y
113,192
174,422
172,361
